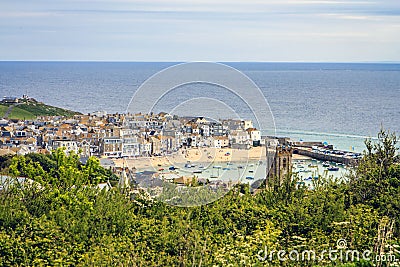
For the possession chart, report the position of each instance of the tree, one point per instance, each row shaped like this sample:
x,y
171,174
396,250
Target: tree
x,y
376,180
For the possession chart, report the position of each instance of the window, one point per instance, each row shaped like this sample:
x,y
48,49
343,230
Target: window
x,y
284,163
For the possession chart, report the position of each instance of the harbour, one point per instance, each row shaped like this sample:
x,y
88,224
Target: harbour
x,y
326,153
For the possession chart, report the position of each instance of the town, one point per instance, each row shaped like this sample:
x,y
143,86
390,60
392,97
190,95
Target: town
x,y
164,143
124,135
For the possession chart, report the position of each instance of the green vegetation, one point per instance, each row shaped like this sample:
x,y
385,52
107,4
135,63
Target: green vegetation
x,y
21,114
3,110
31,109
61,219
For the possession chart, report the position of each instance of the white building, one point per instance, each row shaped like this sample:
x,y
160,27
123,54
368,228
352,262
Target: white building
x,y
220,141
255,135
248,124
130,147
69,145
206,130
239,137
145,147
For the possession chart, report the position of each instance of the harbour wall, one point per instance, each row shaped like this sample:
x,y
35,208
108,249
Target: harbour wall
x,y
325,157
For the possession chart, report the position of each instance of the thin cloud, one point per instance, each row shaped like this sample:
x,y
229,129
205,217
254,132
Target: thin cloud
x,y
201,29
349,17
27,14
320,2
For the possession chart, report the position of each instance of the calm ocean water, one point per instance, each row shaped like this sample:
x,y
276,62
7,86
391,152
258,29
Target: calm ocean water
x,y
340,103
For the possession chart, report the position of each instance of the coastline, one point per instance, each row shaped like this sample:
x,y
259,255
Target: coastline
x,y
195,156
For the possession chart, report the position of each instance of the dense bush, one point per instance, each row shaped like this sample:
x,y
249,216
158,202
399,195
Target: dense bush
x,y
62,219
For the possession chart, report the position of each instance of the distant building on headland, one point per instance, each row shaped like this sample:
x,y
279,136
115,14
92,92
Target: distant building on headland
x,y
9,100
16,100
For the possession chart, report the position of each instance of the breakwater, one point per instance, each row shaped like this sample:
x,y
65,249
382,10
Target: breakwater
x,y
344,157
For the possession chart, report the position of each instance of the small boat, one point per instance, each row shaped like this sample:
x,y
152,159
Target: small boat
x,y
197,171
240,167
326,165
217,167
249,177
213,176
226,169
312,166
188,165
161,169
251,171
201,167
333,168
171,168
229,163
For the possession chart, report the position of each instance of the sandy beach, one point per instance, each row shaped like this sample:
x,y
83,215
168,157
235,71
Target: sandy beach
x,y
195,156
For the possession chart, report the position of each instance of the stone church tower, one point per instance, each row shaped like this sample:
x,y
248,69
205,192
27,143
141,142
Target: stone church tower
x,y
279,158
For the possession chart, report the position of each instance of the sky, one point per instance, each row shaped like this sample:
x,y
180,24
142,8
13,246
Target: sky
x,y
201,30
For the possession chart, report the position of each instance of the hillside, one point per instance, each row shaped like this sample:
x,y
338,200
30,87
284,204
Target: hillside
x,y
30,108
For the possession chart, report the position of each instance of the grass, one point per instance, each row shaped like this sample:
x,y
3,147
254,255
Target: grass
x,y
40,109
21,114
30,110
3,110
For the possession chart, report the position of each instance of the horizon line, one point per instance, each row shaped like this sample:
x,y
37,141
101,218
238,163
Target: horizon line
x,y
182,61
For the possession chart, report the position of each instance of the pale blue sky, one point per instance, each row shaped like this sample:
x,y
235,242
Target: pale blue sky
x,y
200,30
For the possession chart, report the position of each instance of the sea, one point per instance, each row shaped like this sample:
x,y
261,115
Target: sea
x,y
338,103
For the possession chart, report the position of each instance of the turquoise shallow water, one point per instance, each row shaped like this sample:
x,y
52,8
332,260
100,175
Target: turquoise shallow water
x,y
347,142
340,103
309,171
244,172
